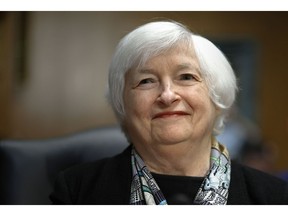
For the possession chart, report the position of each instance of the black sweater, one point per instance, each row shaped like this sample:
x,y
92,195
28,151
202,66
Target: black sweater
x,y
108,181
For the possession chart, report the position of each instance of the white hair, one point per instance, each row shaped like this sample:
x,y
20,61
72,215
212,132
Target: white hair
x,y
151,39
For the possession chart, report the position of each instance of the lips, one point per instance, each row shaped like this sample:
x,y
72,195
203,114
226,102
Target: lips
x,y
169,114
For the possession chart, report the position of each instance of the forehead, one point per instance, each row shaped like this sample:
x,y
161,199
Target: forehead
x,y
142,55
180,57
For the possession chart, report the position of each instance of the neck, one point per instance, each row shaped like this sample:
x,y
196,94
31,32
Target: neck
x,y
185,159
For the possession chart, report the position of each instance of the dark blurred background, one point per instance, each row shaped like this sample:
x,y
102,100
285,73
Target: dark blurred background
x,y
53,73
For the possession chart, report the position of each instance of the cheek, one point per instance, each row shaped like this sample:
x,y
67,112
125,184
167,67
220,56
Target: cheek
x,y
209,112
200,102
137,105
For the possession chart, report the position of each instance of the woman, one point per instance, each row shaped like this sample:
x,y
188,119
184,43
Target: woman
x,y
170,90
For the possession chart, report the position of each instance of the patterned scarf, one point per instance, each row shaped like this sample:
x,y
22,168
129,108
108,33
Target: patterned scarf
x,y
213,190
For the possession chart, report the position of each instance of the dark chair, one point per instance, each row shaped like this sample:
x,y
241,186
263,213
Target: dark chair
x,y
28,168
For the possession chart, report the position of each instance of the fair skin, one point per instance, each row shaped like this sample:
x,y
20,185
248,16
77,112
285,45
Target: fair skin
x,y
170,115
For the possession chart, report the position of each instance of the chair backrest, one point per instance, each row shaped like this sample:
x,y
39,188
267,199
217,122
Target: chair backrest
x,y
28,168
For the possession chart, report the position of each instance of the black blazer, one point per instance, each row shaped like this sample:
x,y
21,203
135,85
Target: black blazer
x,y
108,181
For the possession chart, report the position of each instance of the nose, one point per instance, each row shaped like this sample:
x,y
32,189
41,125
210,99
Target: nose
x,y
168,95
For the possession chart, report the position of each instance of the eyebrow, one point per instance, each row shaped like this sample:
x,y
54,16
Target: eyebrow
x,y
184,66
146,70
193,65
181,66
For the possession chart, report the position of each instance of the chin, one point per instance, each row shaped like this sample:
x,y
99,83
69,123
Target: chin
x,y
172,136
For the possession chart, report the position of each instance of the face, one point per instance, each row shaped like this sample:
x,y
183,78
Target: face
x,y
167,101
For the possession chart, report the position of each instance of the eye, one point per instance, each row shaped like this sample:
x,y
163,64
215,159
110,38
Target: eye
x,y
146,81
187,77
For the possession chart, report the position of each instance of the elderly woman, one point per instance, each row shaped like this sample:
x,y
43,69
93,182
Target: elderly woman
x,y
170,90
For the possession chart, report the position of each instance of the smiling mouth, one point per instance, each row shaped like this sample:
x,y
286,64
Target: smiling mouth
x,y
164,115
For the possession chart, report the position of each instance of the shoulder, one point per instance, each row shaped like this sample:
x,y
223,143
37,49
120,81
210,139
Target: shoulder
x,y
89,169
85,183
92,172
257,187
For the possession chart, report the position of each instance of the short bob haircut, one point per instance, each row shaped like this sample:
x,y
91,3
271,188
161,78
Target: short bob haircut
x,y
152,39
